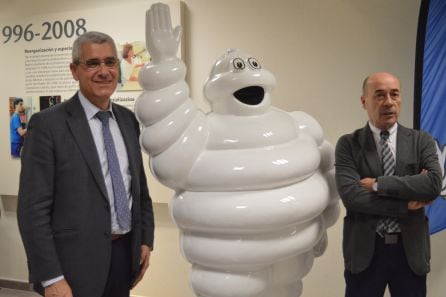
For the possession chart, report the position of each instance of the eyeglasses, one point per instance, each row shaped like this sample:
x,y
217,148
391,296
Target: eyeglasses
x,y
94,64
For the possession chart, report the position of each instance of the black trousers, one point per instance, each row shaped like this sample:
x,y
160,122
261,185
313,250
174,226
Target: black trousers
x,y
388,267
119,277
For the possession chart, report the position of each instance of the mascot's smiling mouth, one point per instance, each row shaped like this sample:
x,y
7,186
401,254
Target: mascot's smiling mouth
x,y
250,95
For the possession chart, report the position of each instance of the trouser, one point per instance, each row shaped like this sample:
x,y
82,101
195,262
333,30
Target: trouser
x,y
388,267
119,277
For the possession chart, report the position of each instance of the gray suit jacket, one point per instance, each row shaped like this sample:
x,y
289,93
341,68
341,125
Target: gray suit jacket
x,y
357,158
63,209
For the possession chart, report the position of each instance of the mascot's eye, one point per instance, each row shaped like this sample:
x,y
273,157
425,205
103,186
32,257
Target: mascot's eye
x,y
238,63
254,64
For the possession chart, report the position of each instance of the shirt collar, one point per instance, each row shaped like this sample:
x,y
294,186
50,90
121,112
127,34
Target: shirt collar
x,y
377,131
90,109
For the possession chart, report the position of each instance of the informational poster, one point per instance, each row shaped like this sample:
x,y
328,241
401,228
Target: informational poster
x,y
39,48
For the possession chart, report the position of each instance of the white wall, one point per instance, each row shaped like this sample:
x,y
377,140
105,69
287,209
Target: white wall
x,y
320,51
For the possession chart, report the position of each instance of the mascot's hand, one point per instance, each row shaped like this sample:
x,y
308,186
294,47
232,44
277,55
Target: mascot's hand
x,y
162,41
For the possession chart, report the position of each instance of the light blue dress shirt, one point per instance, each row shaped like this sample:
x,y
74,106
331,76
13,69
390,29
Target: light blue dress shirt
x,y
96,130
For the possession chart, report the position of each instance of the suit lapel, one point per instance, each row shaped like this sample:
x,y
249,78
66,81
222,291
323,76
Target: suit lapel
x,y
79,128
403,155
371,157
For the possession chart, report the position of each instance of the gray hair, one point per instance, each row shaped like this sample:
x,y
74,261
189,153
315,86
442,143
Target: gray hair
x,y
90,37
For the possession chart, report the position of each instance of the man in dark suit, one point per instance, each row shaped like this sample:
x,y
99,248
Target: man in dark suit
x,y
84,210
385,175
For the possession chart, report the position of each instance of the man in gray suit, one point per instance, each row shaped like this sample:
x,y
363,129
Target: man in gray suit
x,y
84,210
385,175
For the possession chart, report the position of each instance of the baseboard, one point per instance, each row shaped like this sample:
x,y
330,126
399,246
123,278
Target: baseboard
x,y
20,285
15,285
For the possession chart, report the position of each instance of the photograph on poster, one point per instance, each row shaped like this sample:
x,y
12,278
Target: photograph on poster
x,y
132,55
18,118
48,101
20,111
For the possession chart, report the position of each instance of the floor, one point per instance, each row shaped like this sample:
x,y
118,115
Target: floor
x,y
16,293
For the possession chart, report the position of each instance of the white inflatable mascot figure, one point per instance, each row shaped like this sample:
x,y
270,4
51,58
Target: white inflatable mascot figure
x,y
254,185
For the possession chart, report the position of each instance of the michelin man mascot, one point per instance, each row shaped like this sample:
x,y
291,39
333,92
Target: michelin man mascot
x,y
254,185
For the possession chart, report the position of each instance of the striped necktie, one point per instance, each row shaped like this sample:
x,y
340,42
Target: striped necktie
x,y
387,225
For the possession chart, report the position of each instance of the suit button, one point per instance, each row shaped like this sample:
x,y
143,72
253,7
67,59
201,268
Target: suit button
x,y
107,235
107,208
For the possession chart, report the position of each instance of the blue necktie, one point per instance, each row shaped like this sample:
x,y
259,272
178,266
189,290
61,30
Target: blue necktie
x,y
387,225
120,196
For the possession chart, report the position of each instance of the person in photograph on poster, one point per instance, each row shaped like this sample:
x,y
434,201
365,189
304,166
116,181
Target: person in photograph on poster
x,y
52,101
48,101
127,63
17,126
130,65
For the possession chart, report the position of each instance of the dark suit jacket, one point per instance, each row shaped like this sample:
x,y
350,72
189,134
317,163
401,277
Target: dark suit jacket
x,y
357,158
63,209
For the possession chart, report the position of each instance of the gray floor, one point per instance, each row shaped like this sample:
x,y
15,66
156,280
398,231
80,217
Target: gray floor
x,y
16,293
